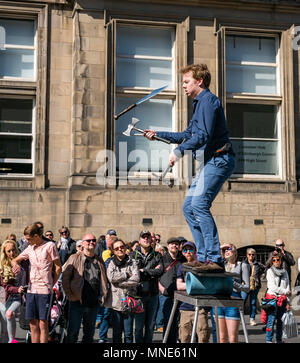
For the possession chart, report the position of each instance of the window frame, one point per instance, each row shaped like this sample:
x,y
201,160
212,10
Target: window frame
x,y
34,88
15,46
139,92
253,98
32,135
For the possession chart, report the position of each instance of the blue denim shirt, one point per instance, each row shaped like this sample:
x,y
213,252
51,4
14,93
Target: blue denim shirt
x,y
207,130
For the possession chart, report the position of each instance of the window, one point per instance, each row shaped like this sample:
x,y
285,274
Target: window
x,y
144,62
16,135
253,103
17,65
18,53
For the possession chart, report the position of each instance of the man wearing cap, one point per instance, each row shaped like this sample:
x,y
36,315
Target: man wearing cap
x,y
150,267
167,285
102,245
187,311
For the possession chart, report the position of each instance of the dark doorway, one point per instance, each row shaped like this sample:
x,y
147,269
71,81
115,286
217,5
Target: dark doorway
x,y
262,252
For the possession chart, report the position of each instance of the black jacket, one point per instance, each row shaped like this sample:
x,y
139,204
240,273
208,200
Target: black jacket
x,y
100,247
148,285
169,275
65,254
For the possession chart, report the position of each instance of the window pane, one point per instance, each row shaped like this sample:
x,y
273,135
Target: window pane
x,y
15,147
250,49
251,79
15,115
15,168
17,63
256,157
143,73
18,32
155,114
251,120
144,41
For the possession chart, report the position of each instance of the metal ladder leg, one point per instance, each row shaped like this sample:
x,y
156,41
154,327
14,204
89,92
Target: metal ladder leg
x,y
244,325
195,324
170,320
217,324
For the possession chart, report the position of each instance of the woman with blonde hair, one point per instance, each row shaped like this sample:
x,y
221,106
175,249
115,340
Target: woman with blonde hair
x,y
13,286
229,317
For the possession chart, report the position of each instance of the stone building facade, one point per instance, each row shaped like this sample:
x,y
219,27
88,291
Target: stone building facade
x,y
68,66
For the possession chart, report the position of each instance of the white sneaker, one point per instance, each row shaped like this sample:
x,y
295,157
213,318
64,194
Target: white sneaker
x,y
252,322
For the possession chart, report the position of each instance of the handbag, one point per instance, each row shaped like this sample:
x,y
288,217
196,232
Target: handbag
x,y
290,327
131,305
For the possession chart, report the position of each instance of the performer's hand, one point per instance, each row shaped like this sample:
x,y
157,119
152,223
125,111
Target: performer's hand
x,y
149,134
172,158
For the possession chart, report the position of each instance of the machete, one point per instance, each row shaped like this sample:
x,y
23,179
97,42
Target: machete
x,y
150,95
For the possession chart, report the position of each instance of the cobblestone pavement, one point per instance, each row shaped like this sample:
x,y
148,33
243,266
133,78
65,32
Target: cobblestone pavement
x,y
255,333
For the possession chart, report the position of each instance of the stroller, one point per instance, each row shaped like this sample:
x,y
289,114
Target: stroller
x,y
57,320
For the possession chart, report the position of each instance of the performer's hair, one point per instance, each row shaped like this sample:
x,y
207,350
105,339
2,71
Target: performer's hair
x,y
199,71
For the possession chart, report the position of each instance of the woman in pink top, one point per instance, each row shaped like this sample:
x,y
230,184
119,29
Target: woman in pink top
x,y
41,255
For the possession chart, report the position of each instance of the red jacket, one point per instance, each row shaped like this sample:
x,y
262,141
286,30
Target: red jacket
x,y
282,299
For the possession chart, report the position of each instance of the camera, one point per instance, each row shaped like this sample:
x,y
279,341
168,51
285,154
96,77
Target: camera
x,y
277,249
25,288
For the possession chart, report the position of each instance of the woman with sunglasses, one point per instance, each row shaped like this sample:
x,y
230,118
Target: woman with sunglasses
x,y
123,274
278,287
13,287
256,269
229,317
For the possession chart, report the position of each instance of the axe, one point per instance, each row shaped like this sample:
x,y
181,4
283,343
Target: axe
x,y
131,126
162,176
150,95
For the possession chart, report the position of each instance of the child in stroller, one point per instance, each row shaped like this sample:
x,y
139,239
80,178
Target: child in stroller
x,y
57,320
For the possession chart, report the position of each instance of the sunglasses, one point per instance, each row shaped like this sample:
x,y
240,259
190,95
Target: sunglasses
x,y
276,259
90,240
185,250
49,234
64,232
279,245
251,254
119,248
227,249
79,246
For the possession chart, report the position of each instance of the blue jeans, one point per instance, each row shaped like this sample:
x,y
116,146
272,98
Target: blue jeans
x,y
275,315
122,322
146,320
77,314
167,304
103,315
196,207
253,297
159,314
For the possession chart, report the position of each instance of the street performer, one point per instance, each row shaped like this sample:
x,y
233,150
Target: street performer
x,y
208,138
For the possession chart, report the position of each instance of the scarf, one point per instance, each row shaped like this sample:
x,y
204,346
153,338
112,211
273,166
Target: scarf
x,y
64,243
120,263
277,271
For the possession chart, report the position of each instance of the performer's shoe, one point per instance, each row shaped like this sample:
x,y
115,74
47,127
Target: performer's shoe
x,y
193,264
210,266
